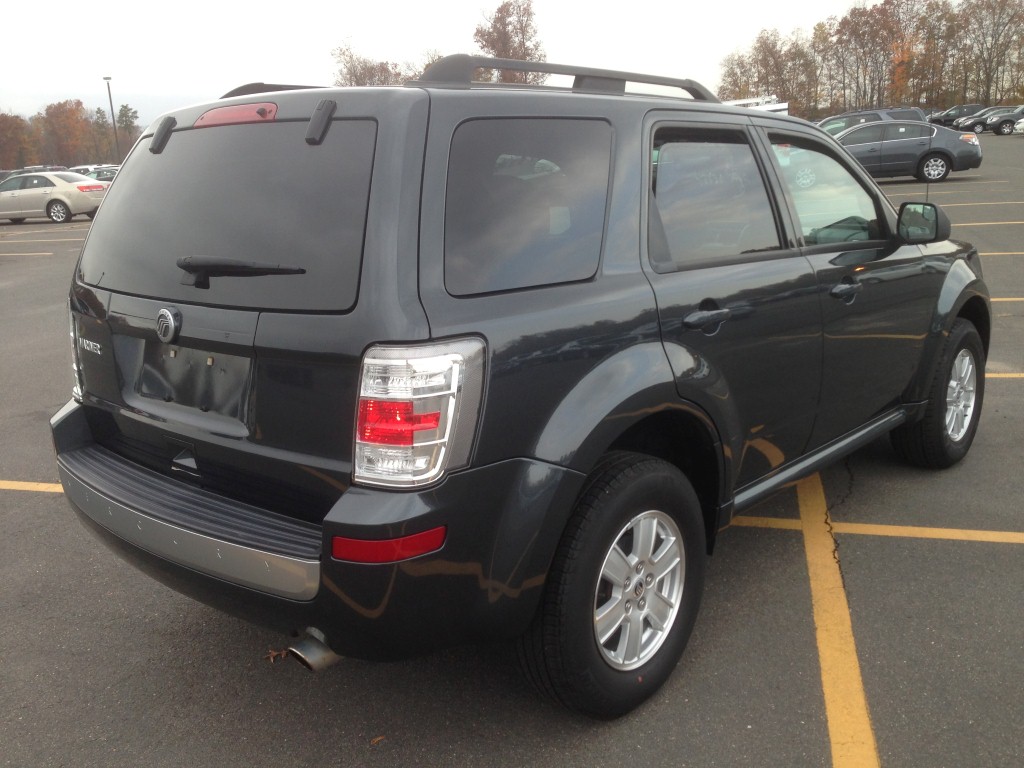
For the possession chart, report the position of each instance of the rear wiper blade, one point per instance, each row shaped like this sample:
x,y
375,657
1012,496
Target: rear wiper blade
x,y
199,269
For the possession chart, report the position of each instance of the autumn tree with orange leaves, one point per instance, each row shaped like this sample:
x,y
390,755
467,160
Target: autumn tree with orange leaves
x,y
931,53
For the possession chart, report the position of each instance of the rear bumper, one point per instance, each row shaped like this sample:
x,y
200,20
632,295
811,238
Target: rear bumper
x,y
503,522
967,162
115,502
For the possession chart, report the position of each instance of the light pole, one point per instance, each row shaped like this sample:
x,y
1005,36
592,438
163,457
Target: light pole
x,y
113,121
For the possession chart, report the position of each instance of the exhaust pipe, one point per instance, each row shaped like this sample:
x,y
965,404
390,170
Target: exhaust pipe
x,y
312,651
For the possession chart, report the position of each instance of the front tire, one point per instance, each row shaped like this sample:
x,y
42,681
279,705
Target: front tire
x,y
623,591
944,435
58,212
933,168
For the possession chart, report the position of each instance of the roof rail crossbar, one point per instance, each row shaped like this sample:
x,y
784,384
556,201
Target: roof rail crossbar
x,y
456,71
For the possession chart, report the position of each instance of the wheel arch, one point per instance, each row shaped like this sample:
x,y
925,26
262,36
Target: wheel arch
x,y
689,443
630,403
963,295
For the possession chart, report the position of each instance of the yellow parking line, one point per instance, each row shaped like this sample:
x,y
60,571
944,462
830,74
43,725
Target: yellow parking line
x,y
11,485
1003,253
987,223
1006,299
920,532
846,705
900,531
783,523
989,375
962,205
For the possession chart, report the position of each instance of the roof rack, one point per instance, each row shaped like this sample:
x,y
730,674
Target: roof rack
x,y
456,71
250,88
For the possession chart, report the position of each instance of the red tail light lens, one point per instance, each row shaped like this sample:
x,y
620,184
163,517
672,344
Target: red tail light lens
x,y
263,112
90,187
390,422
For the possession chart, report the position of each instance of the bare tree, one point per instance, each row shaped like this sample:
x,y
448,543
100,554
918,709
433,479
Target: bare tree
x,y
993,29
359,70
511,34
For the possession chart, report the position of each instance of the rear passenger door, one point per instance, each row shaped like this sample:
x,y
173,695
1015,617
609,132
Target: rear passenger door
x,y
903,146
737,304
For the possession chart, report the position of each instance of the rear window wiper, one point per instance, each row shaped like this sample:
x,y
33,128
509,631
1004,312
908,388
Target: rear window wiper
x,y
199,269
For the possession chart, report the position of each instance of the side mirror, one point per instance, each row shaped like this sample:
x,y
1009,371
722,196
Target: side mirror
x,y
921,223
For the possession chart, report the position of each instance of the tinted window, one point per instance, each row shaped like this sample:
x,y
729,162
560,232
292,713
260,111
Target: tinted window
x,y
893,132
525,203
708,200
8,185
37,182
904,114
254,193
865,135
831,205
838,124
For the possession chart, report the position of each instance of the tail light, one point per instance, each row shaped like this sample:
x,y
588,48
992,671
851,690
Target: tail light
x,y
418,408
970,138
90,187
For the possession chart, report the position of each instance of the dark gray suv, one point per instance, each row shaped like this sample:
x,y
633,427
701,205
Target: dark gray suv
x,y
397,368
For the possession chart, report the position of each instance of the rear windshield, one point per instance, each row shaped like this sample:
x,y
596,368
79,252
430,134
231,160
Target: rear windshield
x,y
251,193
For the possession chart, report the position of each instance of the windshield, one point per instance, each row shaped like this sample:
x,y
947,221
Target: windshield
x,y
249,193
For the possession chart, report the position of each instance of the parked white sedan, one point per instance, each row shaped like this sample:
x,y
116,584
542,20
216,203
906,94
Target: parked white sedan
x,y
56,194
1018,127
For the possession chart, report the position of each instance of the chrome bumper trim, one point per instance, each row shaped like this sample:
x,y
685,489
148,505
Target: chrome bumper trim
x,y
288,577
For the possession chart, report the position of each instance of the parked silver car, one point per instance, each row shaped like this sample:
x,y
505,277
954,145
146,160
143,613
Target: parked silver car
x,y
58,195
911,148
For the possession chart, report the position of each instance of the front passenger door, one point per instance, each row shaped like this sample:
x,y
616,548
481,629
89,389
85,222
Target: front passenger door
x,y
877,297
10,196
865,144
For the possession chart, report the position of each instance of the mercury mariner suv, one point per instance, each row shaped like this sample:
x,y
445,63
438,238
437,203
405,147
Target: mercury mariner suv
x,y
397,368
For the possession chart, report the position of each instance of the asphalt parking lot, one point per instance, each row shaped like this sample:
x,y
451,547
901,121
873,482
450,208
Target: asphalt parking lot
x,y
869,615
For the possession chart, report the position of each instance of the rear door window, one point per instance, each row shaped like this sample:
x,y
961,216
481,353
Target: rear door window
x,y
250,193
895,132
709,202
525,203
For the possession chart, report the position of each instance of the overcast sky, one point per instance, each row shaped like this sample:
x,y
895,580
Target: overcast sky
x,y
165,55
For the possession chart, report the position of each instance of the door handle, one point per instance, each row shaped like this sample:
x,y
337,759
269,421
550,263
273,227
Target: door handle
x,y
845,290
706,319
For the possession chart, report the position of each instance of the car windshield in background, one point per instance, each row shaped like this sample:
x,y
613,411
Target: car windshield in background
x,y
241,188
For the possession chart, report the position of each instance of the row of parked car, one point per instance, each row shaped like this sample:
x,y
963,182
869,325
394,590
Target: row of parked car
x,y
904,141
57,194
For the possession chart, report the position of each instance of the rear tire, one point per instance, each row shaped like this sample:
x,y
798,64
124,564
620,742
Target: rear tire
x,y
623,591
933,167
58,212
944,435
